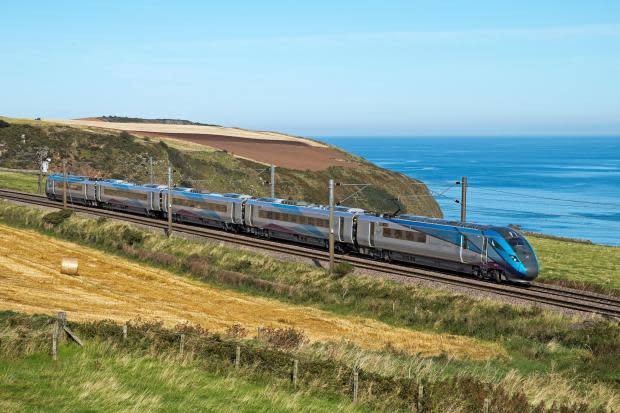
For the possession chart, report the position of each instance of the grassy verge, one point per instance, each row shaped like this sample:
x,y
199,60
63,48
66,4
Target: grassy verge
x,y
577,264
18,181
550,356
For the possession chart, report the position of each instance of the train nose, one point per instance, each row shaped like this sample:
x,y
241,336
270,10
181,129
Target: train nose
x,y
531,272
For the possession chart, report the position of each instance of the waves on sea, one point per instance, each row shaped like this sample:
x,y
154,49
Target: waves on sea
x,y
568,187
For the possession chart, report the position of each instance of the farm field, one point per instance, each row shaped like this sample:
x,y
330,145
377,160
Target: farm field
x,y
117,289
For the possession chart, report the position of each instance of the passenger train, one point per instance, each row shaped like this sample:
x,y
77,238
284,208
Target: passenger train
x,y
485,251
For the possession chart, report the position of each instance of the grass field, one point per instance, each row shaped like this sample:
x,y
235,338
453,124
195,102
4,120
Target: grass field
x,y
576,264
19,181
549,357
99,378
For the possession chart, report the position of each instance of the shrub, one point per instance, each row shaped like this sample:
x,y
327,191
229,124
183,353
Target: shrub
x,y
132,236
284,338
57,217
236,331
342,268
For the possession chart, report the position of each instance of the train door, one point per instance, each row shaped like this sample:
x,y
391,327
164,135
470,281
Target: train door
x,y
341,229
248,214
484,253
233,212
371,234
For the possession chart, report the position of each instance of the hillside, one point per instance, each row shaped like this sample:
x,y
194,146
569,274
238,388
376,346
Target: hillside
x,y
99,152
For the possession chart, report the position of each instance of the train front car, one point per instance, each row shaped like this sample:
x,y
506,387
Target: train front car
x,y
518,256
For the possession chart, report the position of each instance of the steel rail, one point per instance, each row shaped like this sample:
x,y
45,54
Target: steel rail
x,y
539,293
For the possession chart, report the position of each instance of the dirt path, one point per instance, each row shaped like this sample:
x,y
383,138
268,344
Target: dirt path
x,y
118,289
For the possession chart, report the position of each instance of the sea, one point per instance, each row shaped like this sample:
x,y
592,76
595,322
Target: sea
x,y
563,186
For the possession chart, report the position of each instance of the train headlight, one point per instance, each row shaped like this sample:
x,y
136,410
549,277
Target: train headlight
x,y
514,258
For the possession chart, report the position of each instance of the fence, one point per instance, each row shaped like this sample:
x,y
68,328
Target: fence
x,y
257,359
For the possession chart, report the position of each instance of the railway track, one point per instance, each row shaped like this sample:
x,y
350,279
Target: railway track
x,y
539,293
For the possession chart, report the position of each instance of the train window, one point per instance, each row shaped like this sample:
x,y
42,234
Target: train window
x,y
196,203
496,245
412,236
125,194
296,219
70,187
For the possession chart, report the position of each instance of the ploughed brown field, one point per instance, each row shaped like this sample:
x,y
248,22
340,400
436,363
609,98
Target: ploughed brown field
x,y
110,287
282,153
270,148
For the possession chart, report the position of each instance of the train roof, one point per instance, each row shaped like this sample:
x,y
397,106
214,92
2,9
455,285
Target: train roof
x,y
278,202
70,178
439,221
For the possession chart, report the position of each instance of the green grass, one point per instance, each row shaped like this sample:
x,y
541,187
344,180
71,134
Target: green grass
x,y
548,352
19,181
99,378
577,264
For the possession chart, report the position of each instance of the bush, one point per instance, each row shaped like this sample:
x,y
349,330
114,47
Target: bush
x,y
132,236
284,338
342,268
57,217
236,331
4,124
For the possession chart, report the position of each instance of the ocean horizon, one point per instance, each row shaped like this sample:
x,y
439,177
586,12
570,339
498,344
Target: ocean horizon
x,y
557,185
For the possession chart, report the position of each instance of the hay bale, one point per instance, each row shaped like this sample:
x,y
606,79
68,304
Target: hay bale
x,y
69,266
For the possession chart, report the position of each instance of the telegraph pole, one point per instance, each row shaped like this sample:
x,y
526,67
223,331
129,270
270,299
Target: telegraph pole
x,y
151,180
64,183
464,199
331,226
169,232
273,181
40,172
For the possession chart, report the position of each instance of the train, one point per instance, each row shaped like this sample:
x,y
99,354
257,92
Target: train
x,y
483,251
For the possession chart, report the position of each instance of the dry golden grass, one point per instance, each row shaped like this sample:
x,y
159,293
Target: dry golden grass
x,y
113,288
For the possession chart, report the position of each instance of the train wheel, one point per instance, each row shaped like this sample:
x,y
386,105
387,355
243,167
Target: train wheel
x,y
496,276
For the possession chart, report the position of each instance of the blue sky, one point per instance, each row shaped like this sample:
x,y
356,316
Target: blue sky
x,y
320,67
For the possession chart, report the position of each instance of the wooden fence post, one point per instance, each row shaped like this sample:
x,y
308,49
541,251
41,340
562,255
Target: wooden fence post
x,y
55,341
419,403
487,405
182,344
355,383
238,357
61,322
295,367
125,332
